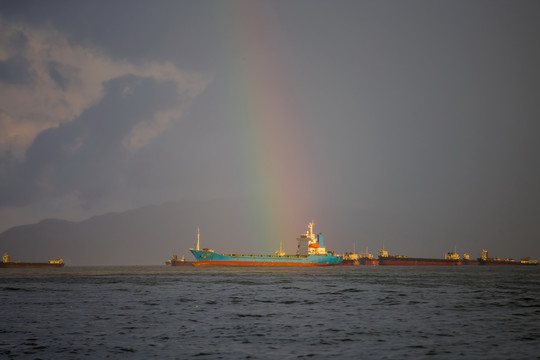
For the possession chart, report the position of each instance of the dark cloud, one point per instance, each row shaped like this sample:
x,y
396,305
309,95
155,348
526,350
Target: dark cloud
x,y
87,156
63,75
16,42
16,68
192,26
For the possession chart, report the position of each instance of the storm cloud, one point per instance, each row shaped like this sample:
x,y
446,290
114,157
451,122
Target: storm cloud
x,y
91,155
46,81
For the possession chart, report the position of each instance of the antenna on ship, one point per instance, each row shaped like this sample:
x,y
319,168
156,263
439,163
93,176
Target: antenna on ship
x,y
198,238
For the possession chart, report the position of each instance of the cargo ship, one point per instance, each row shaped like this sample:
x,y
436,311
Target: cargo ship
x,y
485,260
311,252
350,258
359,259
450,258
7,263
368,259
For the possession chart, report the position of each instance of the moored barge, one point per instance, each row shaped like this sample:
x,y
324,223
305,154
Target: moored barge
x,y
7,263
485,260
450,259
173,261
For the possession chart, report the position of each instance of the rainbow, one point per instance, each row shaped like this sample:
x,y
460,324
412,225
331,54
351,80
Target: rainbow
x,y
275,136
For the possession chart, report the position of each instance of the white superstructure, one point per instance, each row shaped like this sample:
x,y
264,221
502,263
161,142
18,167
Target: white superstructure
x,y
310,244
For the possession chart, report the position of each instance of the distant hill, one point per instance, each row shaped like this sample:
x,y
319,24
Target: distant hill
x,y
144,236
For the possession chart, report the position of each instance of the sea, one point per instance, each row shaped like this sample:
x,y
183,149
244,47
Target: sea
x,y
340,312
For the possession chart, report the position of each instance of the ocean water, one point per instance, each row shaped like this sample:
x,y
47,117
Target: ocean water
x,y
356,312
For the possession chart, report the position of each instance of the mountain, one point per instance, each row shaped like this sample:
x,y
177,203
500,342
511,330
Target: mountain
x,y
144,236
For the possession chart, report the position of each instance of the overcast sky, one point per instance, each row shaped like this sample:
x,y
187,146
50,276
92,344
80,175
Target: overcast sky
x,y
419,120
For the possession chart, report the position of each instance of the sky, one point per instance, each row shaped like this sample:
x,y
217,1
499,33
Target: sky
x,y
411,124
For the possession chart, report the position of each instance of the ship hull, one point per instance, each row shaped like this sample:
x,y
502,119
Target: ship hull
x,y
350,263
179,263
504,263
253,263
417,261
372,262
29,265
210,258
470,262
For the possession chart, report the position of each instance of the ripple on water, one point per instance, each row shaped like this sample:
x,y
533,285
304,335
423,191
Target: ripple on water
x,y
380,312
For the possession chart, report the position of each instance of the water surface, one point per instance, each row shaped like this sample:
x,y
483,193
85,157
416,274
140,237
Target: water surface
x,y
383,312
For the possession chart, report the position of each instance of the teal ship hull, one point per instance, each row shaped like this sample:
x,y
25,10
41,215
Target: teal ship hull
x,y
210,258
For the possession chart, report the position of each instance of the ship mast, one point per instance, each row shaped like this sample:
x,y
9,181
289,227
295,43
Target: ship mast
x,y
198,238
280,252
